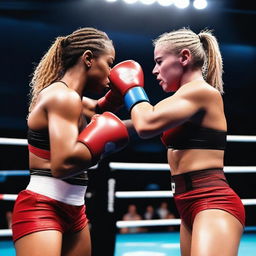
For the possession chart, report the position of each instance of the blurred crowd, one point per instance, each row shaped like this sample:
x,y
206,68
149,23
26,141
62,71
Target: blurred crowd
x,y
150,213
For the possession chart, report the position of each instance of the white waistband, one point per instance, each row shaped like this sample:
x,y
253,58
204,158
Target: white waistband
x,y
57,189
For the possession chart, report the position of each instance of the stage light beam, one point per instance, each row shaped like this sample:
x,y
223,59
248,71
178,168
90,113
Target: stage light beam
x,y
200,4
181,3
165,2
130,1
147,2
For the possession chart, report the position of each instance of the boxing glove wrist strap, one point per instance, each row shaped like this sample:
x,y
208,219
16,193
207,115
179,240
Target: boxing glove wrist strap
x,y
134,96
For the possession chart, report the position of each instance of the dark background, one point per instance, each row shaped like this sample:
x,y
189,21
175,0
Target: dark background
x,y
29,27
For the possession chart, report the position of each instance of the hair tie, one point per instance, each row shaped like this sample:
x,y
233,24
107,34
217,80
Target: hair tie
x,y
199,36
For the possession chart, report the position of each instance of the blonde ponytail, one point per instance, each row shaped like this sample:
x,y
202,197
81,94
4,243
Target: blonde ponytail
x,y
213,64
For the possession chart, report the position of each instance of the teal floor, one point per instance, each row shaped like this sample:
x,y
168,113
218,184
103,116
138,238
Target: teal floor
x,y
167,244
150,244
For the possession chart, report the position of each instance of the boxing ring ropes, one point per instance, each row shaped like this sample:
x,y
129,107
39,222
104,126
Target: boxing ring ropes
x,y
112,194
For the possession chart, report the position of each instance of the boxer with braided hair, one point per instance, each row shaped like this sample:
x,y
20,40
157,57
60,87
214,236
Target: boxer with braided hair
x,y
193,127
49,215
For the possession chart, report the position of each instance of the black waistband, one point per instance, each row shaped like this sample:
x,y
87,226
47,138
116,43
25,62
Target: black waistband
x,y
81,179
185,182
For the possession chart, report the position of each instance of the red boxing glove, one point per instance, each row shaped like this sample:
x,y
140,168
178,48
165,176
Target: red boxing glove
x,y
112,102
127,77
105,134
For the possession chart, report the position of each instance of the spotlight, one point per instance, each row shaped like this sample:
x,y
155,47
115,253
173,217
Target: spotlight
x,y
147,2
165,2
130,1
200,4
181,3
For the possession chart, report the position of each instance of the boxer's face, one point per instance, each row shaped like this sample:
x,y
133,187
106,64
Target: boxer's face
x,y
168,69
99,71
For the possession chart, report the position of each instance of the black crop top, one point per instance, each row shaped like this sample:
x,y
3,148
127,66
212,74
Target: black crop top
x,y
39,139
192,136
39,145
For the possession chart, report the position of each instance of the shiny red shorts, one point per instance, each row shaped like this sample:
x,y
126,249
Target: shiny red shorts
x,y
34,212
204,190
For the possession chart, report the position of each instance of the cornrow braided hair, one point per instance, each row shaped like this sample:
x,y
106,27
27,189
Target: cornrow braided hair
x,y
63,54
204,49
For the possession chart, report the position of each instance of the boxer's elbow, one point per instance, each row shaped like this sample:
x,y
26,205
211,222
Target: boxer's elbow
x,y
144,134
58,169
70,165
61,169
144,128
65,170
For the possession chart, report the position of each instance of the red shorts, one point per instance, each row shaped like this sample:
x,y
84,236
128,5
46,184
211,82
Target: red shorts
x,y
204,190
34,212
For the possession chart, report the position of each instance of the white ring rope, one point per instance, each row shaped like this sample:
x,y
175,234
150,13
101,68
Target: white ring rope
x,y
12,141
230,138
239,169
147,223
143,194
249,201
138,167
166,167
5,232
8,197
14,173
241,138
4,173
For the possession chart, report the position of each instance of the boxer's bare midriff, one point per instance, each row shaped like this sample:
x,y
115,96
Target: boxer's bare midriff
x,y
182,161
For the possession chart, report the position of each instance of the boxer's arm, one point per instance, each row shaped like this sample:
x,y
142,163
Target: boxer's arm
x,y
89,107
105,134
67,154
150,121
112,101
